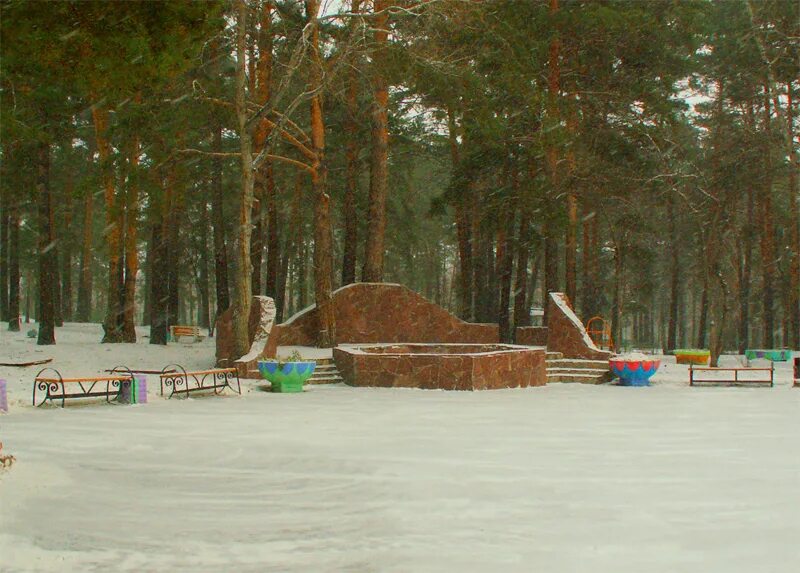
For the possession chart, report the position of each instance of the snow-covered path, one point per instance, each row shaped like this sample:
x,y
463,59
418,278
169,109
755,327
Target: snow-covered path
x,y
564,478
560,478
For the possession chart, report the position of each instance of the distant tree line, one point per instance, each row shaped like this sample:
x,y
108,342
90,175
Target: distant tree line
x,y
165,161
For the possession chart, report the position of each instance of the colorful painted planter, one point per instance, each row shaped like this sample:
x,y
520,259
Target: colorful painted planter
x,y
773,355
691,356
286,376
633,372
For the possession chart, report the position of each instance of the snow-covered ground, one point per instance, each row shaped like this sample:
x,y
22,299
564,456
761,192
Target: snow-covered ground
x,y
563,478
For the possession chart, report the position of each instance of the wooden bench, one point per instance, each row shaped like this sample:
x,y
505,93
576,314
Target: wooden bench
x,y
193,331
736,380
53,386
176,380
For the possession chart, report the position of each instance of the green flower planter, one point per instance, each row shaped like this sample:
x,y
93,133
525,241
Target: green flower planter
x,y
286,376
775,355
691,356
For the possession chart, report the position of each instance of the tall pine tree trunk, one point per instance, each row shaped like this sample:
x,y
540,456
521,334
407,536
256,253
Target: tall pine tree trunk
x,y
571,247
551,281
85,273
218,221
746,275
379,159
5,226
675,275
111,323
463,229
242,293
767,242
794,222
506,263
66,253
203,274
273,235
158,284
48,261
172,236
616,308
13,266
587,290
703,319
265,179
349,205
522,315
131,251
322,222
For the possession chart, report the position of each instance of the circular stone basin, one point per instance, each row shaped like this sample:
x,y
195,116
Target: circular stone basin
x,y
442,366
775,355
286,376
633,372
691,356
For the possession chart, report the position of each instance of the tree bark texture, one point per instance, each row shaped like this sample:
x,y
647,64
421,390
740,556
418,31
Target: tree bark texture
x,y
522,316
111,323
674,281
794,221
352,149
13,267
551,279
5,225
67,252
506,263
379,159
767,229
218,221
85,275
48,261
242,293
322,222
158,286
131,250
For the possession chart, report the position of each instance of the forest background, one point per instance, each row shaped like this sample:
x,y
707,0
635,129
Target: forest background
x,y
163,161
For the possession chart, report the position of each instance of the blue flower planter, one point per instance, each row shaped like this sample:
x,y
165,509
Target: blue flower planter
x,y
633,372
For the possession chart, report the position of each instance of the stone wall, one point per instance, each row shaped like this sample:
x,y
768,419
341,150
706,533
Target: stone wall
x,y
262,317
531,335
432,367
380,312
566,334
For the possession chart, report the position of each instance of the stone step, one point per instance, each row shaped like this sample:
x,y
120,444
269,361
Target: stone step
x,y
584,371
325,371
553,356
325,379
578,378
577,363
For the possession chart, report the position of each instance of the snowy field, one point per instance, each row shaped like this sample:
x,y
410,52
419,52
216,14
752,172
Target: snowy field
x,y
564,478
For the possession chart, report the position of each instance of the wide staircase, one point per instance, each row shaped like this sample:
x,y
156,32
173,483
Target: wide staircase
x,y
325,372
560,369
